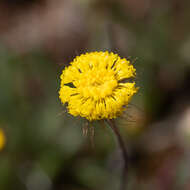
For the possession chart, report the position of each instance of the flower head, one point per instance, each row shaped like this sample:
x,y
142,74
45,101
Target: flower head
x,y
2,139
95,85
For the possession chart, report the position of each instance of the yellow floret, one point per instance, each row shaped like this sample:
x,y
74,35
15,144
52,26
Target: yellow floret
x,y
2,139
93,85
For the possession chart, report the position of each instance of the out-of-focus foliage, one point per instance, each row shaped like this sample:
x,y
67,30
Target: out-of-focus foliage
x,y
45,148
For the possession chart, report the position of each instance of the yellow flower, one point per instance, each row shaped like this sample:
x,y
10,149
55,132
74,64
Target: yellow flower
x,y
95,85
2,139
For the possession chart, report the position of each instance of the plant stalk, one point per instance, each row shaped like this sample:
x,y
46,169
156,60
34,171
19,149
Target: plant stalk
x,y
125,156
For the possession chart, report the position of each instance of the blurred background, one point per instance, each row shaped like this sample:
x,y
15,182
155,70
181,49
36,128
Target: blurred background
x,y
44,148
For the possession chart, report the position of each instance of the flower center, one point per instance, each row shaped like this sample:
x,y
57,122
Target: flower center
x,y
96,84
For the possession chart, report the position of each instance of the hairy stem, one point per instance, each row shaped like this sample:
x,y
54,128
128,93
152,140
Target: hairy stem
x,y
123,150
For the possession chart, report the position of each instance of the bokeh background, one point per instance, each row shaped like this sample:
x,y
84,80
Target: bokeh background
x,y
44,148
